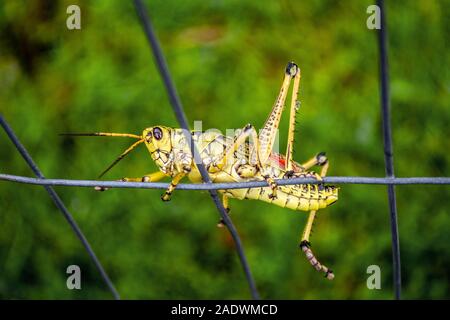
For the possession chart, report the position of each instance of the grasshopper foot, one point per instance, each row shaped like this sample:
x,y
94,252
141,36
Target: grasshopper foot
x,y
101,189
273,185
321,158
305,247
292,69
166,196
288,174
305,243
221,223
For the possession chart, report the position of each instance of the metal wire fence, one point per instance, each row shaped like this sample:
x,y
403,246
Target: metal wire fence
x,y
388,149
390,180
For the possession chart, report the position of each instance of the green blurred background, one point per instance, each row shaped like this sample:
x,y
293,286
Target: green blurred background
x,y
227,59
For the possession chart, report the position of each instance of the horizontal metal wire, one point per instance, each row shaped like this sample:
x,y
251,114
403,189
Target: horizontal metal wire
x,y
228,185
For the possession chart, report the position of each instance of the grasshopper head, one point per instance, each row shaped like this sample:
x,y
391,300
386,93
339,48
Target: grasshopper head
x,y
158,138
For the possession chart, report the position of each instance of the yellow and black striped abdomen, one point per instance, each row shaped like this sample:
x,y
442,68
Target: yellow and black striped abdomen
x,y
303,197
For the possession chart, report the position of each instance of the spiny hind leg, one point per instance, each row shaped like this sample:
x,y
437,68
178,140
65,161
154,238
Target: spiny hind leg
x,y
263,144
268,133
305,246
295,105
173,184
151,177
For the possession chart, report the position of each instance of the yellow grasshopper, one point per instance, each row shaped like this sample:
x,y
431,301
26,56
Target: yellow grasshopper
x,y
246,156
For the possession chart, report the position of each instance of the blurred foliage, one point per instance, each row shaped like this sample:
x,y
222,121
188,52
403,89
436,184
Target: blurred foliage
x,y
227,59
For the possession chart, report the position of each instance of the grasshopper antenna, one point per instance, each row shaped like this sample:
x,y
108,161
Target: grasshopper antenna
x,y
102,134
134,145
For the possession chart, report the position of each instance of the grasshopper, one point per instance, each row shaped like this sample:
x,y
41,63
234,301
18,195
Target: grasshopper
x,y
245,157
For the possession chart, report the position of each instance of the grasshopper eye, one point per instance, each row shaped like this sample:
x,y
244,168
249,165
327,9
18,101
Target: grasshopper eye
x,y
157,133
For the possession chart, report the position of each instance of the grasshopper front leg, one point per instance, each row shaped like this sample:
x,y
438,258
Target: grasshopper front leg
x,y
151,177
173,184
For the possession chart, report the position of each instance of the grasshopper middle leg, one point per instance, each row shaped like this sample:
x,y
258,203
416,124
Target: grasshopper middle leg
x,y
318,160
246,170
247,132
225,201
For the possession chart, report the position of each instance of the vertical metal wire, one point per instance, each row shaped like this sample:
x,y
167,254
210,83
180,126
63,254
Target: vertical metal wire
x,y
182,119
388,149
60,205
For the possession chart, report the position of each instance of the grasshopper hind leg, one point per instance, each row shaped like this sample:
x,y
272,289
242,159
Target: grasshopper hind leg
x,y
305,245
268,133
